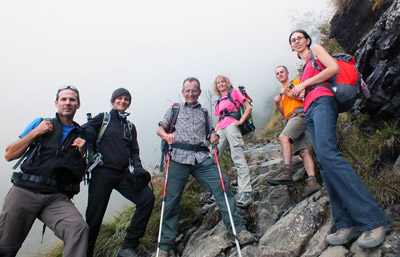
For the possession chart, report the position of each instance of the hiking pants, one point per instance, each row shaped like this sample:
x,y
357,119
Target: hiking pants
x,y
103,181
351,203
21,208
207,174
231,136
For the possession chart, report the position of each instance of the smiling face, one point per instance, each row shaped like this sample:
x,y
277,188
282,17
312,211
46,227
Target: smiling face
x,y
222,85
67,103
191,92
121,104
299,42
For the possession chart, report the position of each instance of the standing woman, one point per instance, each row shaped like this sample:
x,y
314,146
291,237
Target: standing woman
x,y
119,148
354,210
229,133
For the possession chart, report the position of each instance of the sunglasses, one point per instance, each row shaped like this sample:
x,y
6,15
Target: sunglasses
x,y
293,40
68,87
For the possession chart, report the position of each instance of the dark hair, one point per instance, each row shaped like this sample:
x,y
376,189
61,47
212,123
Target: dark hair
x,y
283,66
191,79
120,92
70,88
305,34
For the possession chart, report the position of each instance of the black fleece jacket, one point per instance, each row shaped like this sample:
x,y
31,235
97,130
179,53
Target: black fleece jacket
x,y
118,142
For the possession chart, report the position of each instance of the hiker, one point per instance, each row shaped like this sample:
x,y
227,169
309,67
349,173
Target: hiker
x,y
229,133
354,210
293,137
119,147
42,189
190,156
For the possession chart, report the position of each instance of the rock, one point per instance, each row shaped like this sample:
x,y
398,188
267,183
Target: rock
x,y
378,59
350,25
292,231
396,170
337,251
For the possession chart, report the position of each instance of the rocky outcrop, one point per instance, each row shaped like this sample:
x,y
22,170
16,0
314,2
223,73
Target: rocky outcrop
x,y
354,20
378,58
285,225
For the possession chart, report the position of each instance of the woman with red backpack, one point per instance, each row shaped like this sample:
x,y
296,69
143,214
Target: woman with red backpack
x,y
355,212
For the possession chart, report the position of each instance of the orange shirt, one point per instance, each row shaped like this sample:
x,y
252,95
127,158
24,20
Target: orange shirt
x,y
289,105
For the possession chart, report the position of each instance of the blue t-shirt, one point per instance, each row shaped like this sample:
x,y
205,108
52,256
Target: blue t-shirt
x,y
36,122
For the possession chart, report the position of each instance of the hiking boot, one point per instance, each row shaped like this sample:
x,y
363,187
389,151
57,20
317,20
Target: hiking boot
x,y
342,236
245,237
163,253
211,200
311,187
372,238
285,178
244,200
128,252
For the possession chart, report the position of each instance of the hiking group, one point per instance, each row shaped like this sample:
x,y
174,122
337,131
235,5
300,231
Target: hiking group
x,y
55,156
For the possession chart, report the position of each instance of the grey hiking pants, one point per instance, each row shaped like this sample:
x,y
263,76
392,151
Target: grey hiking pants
x,y
21,208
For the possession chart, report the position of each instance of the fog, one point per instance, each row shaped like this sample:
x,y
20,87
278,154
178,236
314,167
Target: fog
x,y
148,47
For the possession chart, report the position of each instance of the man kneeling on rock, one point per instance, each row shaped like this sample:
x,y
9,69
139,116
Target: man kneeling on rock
x,y
190,156
292,138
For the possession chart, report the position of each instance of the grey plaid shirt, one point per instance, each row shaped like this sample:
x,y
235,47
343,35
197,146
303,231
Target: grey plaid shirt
x,y
190,128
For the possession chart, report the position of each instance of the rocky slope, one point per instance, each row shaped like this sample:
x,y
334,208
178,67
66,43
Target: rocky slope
x,y
285,225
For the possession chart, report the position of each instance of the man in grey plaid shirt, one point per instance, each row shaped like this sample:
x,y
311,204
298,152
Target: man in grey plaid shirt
x,y
190,156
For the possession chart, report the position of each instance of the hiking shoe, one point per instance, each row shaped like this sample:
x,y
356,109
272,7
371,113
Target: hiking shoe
x,y
245,237
285,178
128,252
311,187
163,253
342,236
373,237
211,200
244,200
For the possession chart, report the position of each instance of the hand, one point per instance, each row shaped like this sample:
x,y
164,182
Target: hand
x,y
44,127
214,139
170,139
237,123
80,143
297,89
277,99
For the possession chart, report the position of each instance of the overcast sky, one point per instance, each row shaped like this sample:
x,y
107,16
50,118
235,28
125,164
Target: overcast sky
x,y
148,47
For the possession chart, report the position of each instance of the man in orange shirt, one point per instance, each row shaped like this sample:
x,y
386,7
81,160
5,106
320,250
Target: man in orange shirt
x,y
293,139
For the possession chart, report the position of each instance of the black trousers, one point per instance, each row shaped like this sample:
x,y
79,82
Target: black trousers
x,y
103,181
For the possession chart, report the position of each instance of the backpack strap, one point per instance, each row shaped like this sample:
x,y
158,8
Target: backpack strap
x,y
34,148
106,121
175,113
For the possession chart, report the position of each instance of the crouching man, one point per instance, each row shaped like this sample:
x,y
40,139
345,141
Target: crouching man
x,y
49,177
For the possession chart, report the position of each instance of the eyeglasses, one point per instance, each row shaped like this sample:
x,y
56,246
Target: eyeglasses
x,y
67,87
188,91
293,40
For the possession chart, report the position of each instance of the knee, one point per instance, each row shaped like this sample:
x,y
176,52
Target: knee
x,y
283,139
304,152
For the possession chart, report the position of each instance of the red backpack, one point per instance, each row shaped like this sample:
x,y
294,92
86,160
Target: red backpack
x,y
347,86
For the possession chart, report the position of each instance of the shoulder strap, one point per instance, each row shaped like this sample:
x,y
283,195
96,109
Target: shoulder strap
x,y
205,111
175,112
106,121
229,96
33,148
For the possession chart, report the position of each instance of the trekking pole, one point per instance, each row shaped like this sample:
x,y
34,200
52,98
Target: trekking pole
x,y
226,201
163,202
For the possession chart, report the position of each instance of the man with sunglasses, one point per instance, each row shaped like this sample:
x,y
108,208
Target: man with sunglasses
x,y
292,138
48,179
